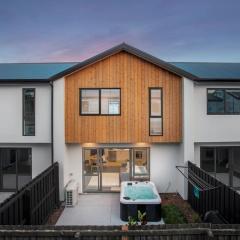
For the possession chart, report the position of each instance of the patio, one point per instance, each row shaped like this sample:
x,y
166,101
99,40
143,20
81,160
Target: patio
x,y
94,209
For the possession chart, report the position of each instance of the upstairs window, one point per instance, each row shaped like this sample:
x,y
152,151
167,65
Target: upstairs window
x,y
105,101
28,112
155,112
223,101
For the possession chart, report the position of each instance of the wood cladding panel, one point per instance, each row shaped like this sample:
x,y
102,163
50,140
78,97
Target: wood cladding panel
x,y
134,76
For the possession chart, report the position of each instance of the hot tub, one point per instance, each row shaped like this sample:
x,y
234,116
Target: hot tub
x,y
142,196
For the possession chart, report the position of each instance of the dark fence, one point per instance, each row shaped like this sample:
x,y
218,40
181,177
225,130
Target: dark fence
x,y
34,203
222,198
163,232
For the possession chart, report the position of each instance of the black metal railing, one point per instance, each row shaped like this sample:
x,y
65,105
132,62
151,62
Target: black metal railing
x,y
222,198
33,204
163,232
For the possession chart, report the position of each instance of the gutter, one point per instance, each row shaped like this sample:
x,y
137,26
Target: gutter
x,y
52,139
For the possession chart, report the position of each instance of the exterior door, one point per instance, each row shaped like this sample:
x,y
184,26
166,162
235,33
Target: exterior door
x,y
115,168
91,170
105,168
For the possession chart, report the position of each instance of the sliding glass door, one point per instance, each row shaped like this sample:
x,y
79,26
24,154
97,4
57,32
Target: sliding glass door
x,y
105,168
223,163
15,168
115,168
91,170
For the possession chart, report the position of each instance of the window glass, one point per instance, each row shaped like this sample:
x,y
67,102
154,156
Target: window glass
x,y
222,160
215,101
89,101
8,160
155,126
207,159
156,102
24,166
233,101
141,162
110,101
28,112
15,168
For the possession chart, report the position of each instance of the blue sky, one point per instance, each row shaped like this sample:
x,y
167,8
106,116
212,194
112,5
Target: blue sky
x,y
73,30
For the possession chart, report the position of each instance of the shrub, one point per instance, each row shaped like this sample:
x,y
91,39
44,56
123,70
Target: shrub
x,y
172,215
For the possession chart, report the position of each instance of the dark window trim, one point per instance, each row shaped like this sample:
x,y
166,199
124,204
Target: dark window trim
x,y
23,108
149,106
99,103
225,112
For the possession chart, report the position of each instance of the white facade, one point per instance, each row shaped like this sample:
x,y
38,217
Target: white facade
x,y
199,129
11,114
213,128
11,123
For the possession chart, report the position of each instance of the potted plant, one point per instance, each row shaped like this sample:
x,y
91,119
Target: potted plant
x,y
142,218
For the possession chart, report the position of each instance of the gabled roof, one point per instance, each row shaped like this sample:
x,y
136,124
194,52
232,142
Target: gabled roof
x,y
38,72
211,71
46,72
127,48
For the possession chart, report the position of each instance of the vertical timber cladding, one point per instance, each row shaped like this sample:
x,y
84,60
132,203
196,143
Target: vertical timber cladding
x,y
134,76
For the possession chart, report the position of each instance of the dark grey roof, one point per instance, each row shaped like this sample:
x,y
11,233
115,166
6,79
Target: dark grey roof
x,y
45,72
211,70
132,50
31,71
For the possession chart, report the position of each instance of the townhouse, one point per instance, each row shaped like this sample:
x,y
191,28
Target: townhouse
x,y
120,115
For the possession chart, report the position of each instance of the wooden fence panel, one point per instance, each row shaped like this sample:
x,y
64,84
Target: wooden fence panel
x,y
223,199
149,232
34,203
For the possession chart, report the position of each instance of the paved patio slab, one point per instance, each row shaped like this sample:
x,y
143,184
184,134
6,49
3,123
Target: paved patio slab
x,y
94,209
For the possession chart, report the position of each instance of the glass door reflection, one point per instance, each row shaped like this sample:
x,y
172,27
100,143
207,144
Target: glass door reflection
x,y
91,172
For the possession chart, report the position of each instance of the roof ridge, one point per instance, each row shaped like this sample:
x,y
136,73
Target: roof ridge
x,y
39,63
205,62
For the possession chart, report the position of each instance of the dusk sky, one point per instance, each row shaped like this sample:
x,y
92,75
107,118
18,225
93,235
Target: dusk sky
x,y
73,30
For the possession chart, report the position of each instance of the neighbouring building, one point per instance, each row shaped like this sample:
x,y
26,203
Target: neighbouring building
x,y
120,115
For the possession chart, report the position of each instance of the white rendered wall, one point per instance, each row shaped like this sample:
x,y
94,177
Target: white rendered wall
x,y
60,149
213,128
163,161
41,155
187,145
11,114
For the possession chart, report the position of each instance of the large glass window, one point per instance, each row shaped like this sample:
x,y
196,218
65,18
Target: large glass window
x,y
89,101
155,112
223,101
222,163
28,111
232,99
110,101
105,168
15,168
141,168
100,101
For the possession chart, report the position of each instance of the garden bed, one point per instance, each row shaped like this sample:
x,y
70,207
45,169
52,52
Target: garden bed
x,y
177,210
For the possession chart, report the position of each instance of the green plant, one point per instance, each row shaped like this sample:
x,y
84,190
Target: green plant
x,y
172,215
142,217
131,221
196,218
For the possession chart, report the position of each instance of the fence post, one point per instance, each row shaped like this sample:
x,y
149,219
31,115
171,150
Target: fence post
x,y
27,207
56,180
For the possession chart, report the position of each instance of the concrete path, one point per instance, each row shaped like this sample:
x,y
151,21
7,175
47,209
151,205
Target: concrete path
x,y
94,209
